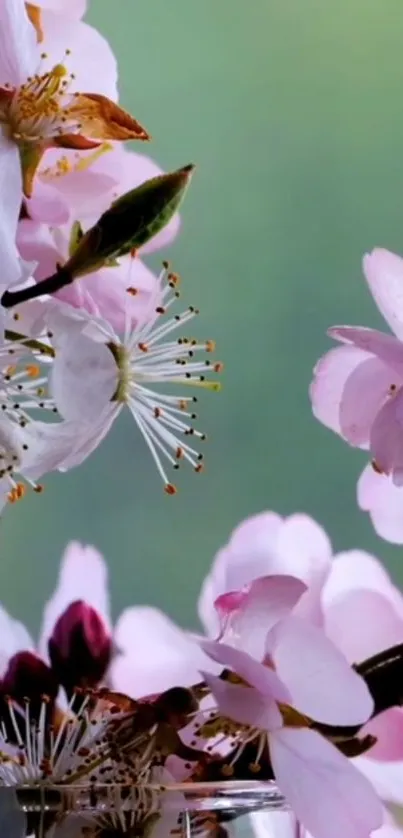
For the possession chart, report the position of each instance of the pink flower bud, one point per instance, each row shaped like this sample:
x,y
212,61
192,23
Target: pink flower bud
x,y
80,647
28,677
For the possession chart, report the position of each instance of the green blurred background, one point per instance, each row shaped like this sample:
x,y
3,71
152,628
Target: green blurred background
x,y
293,112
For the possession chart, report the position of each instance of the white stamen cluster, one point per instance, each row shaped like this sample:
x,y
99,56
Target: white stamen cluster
x,y
148,356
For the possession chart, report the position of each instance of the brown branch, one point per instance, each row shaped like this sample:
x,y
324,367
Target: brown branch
x,y
50,285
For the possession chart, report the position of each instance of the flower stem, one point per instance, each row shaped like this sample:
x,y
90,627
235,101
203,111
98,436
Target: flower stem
x,y
50,285
31,343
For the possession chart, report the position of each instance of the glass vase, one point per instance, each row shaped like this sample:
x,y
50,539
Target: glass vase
x,y
181,810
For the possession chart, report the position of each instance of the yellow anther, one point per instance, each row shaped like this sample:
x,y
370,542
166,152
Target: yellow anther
x,y
59,70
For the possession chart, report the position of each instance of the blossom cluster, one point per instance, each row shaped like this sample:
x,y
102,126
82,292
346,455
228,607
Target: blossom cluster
x,y
86,327
297,679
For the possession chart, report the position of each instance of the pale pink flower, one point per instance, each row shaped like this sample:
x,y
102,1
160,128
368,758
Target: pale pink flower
x,y
43,102
350,596
325,791
357,392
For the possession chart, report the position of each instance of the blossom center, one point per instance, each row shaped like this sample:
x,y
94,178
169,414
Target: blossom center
x,y
37,110
125,374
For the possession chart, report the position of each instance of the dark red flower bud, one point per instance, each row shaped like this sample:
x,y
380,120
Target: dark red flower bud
x,y
27,676
80,647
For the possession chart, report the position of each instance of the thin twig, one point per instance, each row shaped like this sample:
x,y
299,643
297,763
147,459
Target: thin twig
x,y
50,285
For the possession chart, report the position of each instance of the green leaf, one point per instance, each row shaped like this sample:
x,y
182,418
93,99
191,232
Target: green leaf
x,y
131,221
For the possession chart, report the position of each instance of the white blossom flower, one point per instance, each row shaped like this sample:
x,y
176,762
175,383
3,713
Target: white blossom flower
x,y
29,447
96,373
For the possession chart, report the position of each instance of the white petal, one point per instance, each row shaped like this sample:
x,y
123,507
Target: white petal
x,y
49,445
84,376
89,436
11,191
156,654
90,51
386,777
83,575
14,638
19,53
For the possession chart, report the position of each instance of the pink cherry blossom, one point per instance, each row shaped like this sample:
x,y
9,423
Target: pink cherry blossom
x,y
357,392
325,791
350,596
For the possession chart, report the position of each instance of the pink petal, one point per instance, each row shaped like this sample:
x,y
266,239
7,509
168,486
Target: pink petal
x,y
386,347
37,244
46,205
384,273
388,728
321,682
245,557
302,547
325,791
357,569
386,438
155,654
330,377
251,550
19,54
362,623
106,293
89,52
262,677
244,704
266,545
365,392
378,495
269,599
226,604
83,575
83,192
